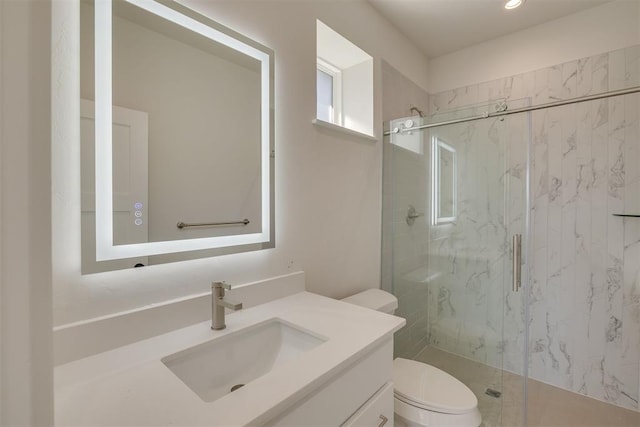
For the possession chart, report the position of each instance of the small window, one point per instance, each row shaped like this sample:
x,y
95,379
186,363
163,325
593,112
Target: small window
x,y
329,89
344,82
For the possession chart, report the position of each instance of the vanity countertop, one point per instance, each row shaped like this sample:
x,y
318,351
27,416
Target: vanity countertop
x,y
131,386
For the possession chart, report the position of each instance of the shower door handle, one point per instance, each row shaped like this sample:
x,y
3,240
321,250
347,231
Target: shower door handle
x,y
516,258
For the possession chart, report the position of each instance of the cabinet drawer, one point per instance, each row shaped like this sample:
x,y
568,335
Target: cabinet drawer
x,y
376,412
345,394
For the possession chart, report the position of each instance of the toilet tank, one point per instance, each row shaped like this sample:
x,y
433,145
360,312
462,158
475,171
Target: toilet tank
x,y
375,299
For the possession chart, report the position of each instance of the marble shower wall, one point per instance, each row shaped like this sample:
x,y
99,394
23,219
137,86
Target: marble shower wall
x,y
584,263
404,247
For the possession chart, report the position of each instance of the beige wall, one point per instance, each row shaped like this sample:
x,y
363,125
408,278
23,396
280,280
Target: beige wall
x,y
26,383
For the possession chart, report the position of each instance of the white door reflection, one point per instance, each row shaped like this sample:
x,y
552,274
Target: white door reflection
x,y
130,184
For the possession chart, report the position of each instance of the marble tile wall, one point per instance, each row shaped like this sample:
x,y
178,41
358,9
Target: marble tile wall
x,y
584,263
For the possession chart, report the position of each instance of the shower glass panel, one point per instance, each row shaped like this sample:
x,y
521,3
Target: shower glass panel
x,y
455,195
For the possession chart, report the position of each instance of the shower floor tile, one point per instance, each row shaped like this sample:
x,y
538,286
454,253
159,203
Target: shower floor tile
x,y
548,406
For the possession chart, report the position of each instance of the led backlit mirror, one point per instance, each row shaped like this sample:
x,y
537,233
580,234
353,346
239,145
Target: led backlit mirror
x,y
176,134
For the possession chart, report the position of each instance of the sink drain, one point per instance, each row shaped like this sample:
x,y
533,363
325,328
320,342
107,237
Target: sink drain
x,y
235,387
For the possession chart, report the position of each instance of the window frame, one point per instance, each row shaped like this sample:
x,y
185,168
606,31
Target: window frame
x,y
336,74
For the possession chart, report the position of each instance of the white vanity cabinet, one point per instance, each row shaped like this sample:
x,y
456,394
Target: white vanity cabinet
x,y
360,394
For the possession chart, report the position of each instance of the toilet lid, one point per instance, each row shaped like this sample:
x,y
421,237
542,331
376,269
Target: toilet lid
x,y
430,388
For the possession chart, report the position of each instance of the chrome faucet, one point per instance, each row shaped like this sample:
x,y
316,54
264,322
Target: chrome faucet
x,y
218,304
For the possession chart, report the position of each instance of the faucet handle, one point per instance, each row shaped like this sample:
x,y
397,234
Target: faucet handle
x,y
222,285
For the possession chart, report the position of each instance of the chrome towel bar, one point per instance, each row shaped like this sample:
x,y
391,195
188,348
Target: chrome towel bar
x,y
182,225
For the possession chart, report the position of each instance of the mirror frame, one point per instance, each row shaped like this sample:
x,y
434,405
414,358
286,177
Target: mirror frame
x,y
437,145
187,18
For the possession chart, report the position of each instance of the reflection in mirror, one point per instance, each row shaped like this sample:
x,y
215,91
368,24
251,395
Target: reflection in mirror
x,y
443,182
175,128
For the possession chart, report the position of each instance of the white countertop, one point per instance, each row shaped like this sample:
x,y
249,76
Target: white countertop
x,y
131,386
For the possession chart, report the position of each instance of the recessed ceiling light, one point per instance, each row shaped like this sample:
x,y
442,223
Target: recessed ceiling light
x,y
512,4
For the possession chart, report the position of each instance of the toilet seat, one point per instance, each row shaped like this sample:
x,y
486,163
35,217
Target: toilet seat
x,y
427,387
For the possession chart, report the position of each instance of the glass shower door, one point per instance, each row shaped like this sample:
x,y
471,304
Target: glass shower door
x,y
459,196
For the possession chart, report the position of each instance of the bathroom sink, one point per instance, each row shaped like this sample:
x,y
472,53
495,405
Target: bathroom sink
x,y
220,366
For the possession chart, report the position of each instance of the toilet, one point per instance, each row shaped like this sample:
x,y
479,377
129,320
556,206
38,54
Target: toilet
x,y
424,396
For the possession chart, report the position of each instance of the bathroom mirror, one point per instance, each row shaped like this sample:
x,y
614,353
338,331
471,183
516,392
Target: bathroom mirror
x,y
176,136
443,181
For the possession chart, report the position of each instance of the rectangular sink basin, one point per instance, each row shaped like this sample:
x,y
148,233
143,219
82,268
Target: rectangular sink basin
x,y
217,367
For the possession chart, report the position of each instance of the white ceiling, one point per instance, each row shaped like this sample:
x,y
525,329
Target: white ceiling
x,y
438,27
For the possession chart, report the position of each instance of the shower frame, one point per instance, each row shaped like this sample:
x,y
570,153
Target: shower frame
x,y
501,110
